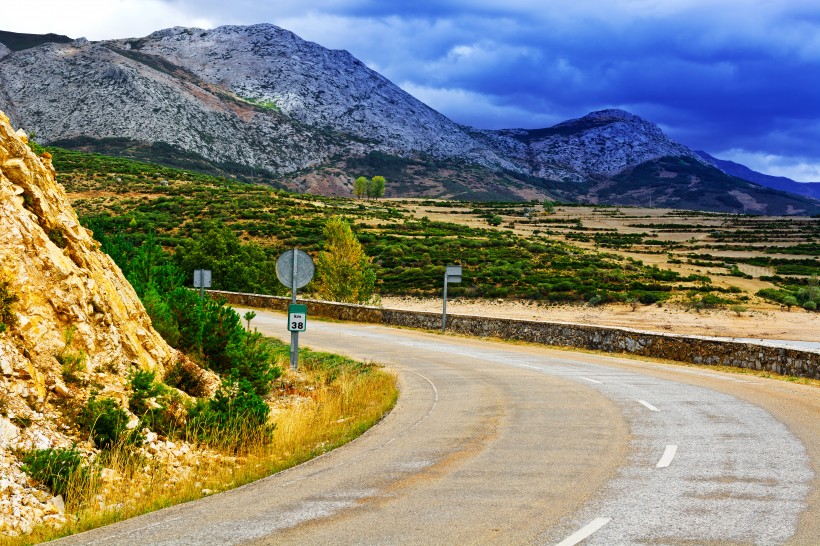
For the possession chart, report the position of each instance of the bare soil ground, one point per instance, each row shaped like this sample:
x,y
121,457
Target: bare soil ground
x,y
762,323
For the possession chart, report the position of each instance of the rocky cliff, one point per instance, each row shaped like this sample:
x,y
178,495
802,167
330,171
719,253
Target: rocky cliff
x,y
63,296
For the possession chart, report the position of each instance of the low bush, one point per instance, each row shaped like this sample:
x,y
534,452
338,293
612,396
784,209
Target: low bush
x,y
106,422
72,363
235,418
187,377
58,468
8,318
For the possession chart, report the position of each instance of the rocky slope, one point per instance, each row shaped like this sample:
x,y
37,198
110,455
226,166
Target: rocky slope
x,y
62,283
299,114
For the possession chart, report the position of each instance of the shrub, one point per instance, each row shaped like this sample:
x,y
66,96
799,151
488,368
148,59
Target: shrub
x,y
231,418
55,467
7,298
72,364
166,414
187,377
143,388
810,305
106,422
161,318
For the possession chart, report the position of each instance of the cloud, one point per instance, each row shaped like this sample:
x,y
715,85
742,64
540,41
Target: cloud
x,y
800,169
98,19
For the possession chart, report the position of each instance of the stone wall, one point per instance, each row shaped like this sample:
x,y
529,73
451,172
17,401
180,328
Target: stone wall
x,y
692,349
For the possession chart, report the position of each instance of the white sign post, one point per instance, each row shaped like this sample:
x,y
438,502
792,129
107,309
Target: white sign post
x,y
451,274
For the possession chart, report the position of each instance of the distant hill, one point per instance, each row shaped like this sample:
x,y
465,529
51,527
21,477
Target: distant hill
x,y
811,189
17,41
261,103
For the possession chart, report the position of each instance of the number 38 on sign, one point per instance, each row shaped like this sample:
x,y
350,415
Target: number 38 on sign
x,y
297,317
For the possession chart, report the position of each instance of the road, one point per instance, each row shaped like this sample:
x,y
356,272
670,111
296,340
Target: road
x,y
497,443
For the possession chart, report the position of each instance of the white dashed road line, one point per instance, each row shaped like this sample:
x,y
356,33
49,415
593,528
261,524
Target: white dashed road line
x,y
584,532
593,380
648,405
667,457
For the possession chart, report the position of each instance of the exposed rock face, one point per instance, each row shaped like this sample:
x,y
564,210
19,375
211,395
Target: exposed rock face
x,y
59,274
63,282
314,85
604,143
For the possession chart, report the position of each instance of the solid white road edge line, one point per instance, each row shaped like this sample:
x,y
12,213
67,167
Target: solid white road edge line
x,y
648,405
668,455
584,532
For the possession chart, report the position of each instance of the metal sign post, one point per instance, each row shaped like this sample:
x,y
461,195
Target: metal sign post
x,y
451,274
294,269
202,280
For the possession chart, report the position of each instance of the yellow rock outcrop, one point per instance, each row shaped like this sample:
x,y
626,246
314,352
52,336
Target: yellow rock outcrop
x,y
61,277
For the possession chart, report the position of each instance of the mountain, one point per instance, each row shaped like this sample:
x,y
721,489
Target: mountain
x,y
810,189
260,102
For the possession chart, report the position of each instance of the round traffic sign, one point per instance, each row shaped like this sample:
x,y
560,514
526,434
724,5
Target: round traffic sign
x,y
303,272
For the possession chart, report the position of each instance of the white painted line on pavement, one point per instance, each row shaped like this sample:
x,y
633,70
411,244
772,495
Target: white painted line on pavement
x,y
668,455
584,532
593,380
648,405
130,531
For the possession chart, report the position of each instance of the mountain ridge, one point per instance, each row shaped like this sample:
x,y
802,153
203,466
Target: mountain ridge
x,y
299,114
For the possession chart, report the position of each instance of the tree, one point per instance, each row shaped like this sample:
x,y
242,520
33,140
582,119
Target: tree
x,y
360,187
344,271
375,186
378,186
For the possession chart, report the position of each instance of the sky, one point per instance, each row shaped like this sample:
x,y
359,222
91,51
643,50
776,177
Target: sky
x,y
739,79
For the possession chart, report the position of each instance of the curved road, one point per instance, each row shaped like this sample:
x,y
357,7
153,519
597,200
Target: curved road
x,y
495,443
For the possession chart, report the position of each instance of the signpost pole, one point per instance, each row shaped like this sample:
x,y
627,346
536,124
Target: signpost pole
x,y
294,269
444,308
452,273
294,336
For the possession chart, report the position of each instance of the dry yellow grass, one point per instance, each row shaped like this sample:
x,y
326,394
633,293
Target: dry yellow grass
x,y
329,411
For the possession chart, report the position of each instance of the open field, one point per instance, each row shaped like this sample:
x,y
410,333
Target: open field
x,y
543,253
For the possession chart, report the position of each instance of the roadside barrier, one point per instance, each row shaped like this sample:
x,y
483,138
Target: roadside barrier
x,y
691,349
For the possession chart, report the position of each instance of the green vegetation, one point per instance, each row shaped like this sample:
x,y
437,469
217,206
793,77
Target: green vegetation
x,y
72,363
237,230
345,273
8,318
57,468
106,422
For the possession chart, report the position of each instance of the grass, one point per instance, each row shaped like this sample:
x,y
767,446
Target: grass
x,y
329,402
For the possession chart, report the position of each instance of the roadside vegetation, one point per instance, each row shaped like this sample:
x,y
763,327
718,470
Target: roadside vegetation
x,y
331,401
224,414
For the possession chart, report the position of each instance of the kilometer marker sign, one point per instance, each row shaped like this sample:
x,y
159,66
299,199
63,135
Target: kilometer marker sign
x,y
297,317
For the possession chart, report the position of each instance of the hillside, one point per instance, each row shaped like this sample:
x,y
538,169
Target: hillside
x,y
70,324
259,102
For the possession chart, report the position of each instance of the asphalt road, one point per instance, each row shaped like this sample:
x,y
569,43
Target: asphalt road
x,y
495,443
